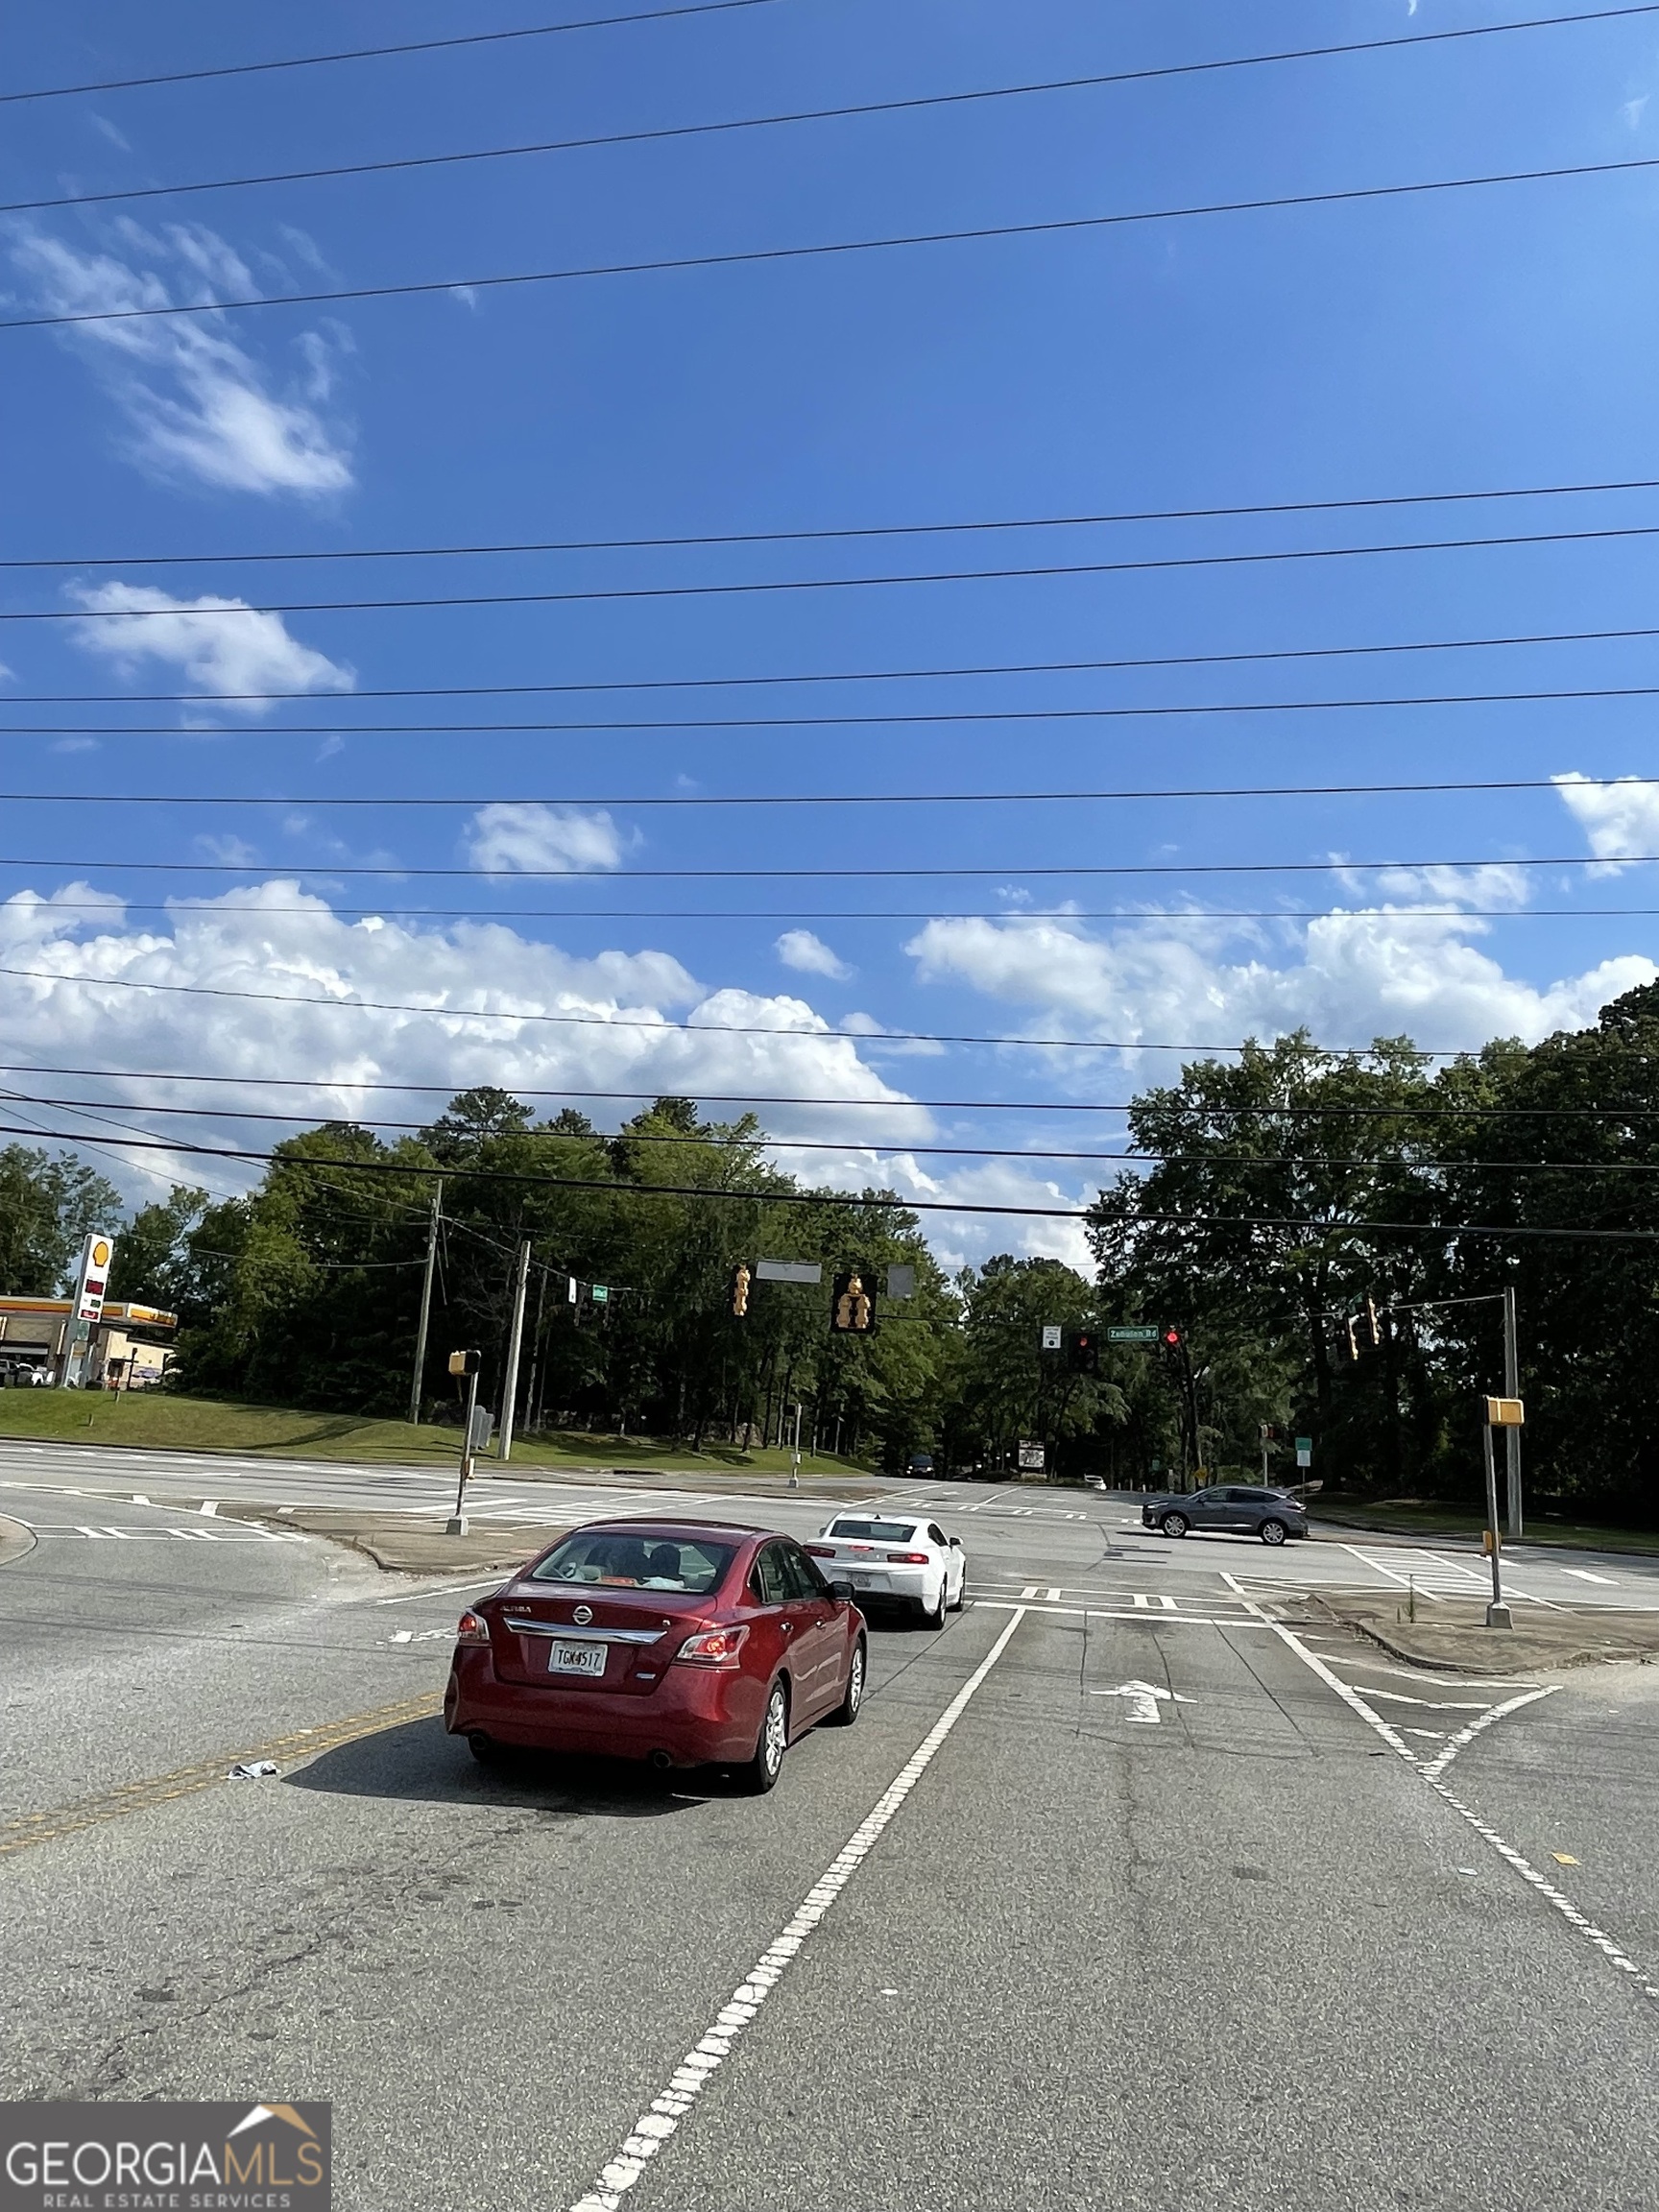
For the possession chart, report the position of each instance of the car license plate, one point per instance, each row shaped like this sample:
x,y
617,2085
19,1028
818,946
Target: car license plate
x,y
576,1658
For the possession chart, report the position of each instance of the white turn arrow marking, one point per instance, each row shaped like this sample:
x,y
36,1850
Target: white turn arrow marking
x,y
1143,1698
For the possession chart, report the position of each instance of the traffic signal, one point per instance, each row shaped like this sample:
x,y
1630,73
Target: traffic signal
x,y
462,1363
1371,1316
851,1306
1353,1335
741,1292
1082,1352
1170,1339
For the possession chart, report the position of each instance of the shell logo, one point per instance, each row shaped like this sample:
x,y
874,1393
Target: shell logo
x,y
101,1253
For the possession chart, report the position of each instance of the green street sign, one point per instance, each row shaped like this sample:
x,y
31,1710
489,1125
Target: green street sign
x,y
1132,1332
600,1293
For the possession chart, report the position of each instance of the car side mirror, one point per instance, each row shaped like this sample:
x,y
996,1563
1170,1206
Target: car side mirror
x,y
955,1543
844,1591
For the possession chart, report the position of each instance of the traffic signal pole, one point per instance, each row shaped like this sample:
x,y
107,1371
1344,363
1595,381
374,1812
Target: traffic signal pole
x,y
1512,1435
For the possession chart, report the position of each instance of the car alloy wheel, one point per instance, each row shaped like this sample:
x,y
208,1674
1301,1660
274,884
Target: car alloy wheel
x,y
763,1769
1175,1523
1272,1531
847,1711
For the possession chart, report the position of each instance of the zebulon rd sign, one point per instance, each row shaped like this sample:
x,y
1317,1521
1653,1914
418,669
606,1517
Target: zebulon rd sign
x,y
164,2157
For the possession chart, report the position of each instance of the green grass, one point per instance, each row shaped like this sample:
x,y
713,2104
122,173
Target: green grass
x,y
1410,1517
161,1421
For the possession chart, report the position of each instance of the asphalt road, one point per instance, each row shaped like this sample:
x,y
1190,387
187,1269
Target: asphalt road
x,y
1119,1895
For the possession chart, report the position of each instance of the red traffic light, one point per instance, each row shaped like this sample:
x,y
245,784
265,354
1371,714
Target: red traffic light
x,y
1172,1338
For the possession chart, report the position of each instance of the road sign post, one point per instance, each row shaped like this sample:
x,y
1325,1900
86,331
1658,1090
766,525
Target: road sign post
x,y
1304,1452
464,1363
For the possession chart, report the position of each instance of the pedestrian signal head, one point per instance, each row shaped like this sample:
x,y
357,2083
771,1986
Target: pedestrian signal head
x,y
741,1292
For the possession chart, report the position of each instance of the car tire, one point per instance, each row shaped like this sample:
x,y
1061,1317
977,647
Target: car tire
x,y
485,1749
960,1601
857,1669
1272,1531
760,1774
1175,1523
938,1615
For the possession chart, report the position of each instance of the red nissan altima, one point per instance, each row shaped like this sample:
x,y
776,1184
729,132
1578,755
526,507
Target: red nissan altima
x,y
685,1643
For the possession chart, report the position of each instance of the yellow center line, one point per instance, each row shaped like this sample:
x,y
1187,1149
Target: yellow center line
x,y
31,1828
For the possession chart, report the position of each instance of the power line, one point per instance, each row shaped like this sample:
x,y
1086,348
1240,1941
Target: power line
x,y
891,1201
657,1025
706,800
803,537
520,1090
838,875
1054,226
873,108
1157,915
1145,1156
606,593
840,676
488,38
934,718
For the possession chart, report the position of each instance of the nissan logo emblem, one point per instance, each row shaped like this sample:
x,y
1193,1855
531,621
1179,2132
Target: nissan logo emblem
x,y
583,1615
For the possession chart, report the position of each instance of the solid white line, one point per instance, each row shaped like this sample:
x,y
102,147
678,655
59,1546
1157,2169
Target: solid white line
x,y
210,1506
1563,1904
1584,1575
1493,1713
699,2066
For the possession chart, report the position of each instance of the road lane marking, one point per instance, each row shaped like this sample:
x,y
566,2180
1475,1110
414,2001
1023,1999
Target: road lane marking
x,y
1464,1736
658,2125
1612,1952
1583,1575
1143,1699
1106,1613
30,1829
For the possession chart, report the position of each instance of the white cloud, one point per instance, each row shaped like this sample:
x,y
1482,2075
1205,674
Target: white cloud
x,y
1350,976
107,130
1634,110
1619,820
230,851
810,955
199,406
529,837
221,646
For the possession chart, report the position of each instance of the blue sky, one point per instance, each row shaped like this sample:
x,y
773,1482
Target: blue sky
x,y
1487,339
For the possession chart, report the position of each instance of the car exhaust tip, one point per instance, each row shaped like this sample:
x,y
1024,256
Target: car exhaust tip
x,y
662,1761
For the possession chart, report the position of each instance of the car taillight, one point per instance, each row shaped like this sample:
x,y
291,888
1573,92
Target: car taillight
x,y
822,1550
906,1558
713,1647
472,1628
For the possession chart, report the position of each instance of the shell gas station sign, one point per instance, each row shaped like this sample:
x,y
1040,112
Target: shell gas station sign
x,y
93,1277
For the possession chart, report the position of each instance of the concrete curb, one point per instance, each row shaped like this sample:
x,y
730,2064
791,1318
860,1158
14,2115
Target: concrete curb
x,y
1488,1650
16,1541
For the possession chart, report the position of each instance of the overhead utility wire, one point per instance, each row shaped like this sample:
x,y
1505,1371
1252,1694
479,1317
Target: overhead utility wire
x,y
840,676
1575,694
1324,1228
847,112
488,38
656,1026
851,530
874,913
522,1091
772,585
748,875
765,1142
706,800
837,248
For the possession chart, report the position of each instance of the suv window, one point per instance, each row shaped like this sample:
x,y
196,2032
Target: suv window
x,y
771,1578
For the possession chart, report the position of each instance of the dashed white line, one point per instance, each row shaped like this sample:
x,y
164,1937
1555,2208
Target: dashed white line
x,y
658,2125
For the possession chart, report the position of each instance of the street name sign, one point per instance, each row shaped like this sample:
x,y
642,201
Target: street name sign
x,y
1132,1332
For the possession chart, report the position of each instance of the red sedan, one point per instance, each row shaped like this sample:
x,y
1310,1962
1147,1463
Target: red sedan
x,y
683,1643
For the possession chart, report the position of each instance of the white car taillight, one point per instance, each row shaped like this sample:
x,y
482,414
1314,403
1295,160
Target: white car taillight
x,y
472,1628
712,1647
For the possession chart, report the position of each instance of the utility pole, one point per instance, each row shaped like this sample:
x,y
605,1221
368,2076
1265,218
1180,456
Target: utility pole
x,y
535,1351
795,1462
510,1385
415,1381
1512,1435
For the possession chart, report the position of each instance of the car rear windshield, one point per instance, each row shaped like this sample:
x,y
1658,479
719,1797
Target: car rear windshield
x,y
619,1561
877,1532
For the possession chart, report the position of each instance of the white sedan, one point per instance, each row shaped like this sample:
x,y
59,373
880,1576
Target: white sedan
x,y
912,1562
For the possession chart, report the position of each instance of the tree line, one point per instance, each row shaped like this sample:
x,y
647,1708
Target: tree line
x,y
1332,1233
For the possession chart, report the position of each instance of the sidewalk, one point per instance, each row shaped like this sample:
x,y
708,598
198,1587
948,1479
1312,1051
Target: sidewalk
x,y
408,1543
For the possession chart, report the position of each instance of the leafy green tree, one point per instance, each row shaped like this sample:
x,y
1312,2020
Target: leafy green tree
x,y
48,1206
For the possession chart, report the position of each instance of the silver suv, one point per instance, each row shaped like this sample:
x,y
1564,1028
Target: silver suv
x,y
1273,1515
